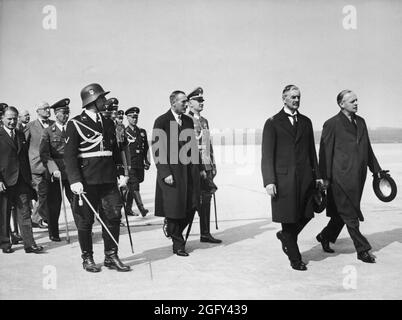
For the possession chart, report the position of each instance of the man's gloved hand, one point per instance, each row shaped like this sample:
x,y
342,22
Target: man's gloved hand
x,y
271,190
77,188
57,174
203,174
122,181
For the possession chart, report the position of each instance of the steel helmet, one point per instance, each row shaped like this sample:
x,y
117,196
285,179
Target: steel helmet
x,y
91,93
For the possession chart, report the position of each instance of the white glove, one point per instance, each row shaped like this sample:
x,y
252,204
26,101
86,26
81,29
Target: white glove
x,y
122,181
57,174
77,188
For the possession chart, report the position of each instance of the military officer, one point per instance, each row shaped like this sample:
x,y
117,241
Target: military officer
x,y
202,134
137,157
120,133
51,151
92,159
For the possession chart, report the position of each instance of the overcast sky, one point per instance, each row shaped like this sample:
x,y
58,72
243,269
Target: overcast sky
x,y
241,52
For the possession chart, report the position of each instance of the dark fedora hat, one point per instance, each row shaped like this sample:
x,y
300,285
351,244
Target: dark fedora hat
x,y
384,186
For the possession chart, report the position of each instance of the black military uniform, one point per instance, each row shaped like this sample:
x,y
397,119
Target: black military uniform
x,y
136,152
111,106
208,187
92,158
51,151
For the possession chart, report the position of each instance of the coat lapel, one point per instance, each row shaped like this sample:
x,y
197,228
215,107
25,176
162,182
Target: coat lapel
x,y
7,138
346,123
360,128
286,123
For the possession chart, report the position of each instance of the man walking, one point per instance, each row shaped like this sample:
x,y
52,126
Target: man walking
x,y
345,154
176,157
136,152
290,170
15,183
91,157
201,127
33,134
51,152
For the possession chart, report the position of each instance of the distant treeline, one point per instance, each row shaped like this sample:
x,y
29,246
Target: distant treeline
x,y
254,136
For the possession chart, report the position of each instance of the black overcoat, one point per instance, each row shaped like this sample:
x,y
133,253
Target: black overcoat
x,y
289,161
177,200
345,152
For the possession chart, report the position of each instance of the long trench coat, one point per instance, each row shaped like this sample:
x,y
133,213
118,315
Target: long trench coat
x,y
178,200
289,161
345,152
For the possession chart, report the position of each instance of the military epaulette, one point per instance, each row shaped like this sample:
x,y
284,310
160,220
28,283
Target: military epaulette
x,y
272,118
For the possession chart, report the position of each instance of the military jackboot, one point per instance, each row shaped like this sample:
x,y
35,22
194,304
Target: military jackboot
x,y
112,261
140,205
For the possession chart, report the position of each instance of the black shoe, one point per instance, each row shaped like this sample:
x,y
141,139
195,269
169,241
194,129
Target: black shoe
x,y
279,235
15,238
88,263
298,265
365,256
165,228
181,253
324,243
34,249
56,238
112,261
8,250
143,211
209,238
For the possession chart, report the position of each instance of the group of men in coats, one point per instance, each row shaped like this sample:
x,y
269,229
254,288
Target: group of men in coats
x,y
85,157
291,171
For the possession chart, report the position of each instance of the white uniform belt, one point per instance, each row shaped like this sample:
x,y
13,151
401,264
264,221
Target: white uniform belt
x,y
95,154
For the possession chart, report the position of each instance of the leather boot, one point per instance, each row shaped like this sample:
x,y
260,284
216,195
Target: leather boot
x,y
140,205
112,261
205,220
85,240
88,262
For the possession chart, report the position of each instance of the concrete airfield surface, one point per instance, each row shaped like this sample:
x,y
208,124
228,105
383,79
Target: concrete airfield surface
x,y
249,264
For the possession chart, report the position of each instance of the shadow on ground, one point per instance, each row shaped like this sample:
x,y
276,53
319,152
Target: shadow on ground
x,y
229,236
378,241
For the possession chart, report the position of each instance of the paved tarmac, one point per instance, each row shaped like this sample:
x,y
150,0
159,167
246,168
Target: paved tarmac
x,y
249,264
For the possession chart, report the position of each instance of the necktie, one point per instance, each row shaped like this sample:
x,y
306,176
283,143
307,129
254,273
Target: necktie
x,y
353,120
13,137
294,117
63,132
179,120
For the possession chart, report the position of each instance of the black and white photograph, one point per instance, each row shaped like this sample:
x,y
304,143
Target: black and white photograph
x,y
200,150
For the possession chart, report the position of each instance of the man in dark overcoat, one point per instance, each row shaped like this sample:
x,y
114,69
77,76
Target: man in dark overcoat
x,y
176,155
345,154
290,170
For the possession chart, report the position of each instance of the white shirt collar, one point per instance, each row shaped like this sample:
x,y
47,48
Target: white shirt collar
x,y
92,115
8,131
287,111
60,126
176,116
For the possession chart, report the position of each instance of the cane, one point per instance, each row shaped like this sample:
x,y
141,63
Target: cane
x,y
128,225
98,217
65,211
216,216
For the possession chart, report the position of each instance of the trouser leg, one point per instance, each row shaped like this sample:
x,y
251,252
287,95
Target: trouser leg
x,y
111,215
129,197
40,210
360,242
54,206
205,213
175,229
24,218
333,229
4,221
289,234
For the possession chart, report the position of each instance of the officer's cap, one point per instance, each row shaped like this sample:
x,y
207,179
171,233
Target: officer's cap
x,y
3,106
61,104
133,110
112,104
120,114
196,94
